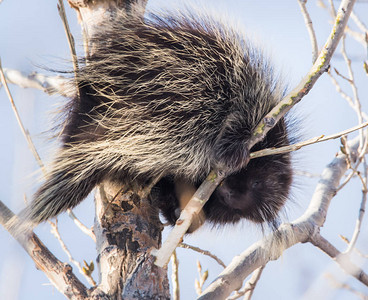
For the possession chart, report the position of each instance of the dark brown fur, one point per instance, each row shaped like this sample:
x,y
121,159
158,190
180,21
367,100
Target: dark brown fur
x,y
171,98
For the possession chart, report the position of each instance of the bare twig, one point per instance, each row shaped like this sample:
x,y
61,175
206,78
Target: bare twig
x,y
358,223
69,35
249,286
48,84
319,67
175,276
357,106
55,232
204,252
340,285
24,131
342,76
294,147
60,274
253,282
358,22
216,176
346,240
359,37
202,278
341,258
192,209
344,95
358,161
311,32
81,226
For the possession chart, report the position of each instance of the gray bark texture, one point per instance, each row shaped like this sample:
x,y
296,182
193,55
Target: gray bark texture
x,y
127,226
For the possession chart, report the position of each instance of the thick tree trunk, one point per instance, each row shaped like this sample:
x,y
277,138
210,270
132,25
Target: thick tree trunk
x,y
127,226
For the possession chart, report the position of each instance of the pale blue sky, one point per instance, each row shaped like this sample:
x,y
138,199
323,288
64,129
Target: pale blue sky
x,y
32,38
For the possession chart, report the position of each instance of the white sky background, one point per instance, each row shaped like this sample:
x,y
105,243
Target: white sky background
x,y
32,38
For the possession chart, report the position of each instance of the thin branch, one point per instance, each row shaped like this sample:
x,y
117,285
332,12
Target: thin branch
x,y
204,252
342,76
346,240
55,232
359,37
319,67
24,131
81,226
202,278
340,285
69,35
359,221
192,209
204,192
253,282
357,105
358,22
343,94
249,286
315,140
175,276
358,161
59,274
342,259
311,32
31,144
48,84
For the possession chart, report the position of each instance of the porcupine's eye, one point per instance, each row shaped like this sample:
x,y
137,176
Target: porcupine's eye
x,y
255,184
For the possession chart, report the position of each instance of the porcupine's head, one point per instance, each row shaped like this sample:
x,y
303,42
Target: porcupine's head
x,y
258,191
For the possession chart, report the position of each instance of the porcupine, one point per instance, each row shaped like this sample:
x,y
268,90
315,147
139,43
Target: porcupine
x,y
170,98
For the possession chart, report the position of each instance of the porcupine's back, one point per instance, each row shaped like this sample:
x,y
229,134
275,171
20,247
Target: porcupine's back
x,y
171,96
177,94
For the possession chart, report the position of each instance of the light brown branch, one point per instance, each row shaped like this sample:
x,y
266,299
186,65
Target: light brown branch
x,y
56,233
59,274
192,209
69,35
204,252
175,276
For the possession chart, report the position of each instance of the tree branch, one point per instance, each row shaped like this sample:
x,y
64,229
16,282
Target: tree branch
x,y
60,274
309,25
49,84
341,258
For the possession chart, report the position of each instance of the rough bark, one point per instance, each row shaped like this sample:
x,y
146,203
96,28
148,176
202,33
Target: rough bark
x,y
127,226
